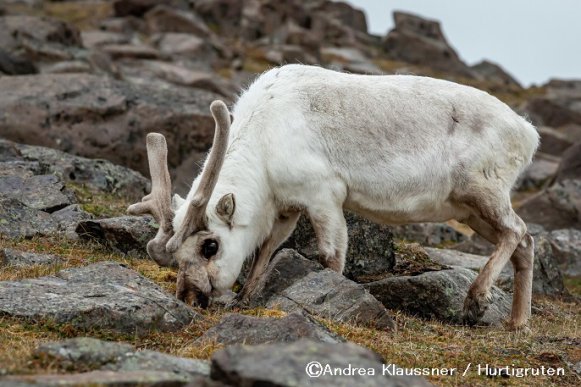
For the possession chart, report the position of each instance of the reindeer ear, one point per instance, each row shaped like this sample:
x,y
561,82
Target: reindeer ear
x,y
225,208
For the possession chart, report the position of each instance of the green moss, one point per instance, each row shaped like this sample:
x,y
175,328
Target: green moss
x,y
573,285
102,205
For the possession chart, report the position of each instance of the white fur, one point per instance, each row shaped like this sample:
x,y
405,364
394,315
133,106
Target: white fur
x,y
393,148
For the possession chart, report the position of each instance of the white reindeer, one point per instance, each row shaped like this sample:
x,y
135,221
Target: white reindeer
x,y
394,149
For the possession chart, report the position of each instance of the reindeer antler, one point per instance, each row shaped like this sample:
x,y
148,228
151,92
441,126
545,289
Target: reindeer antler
x,y
195,218
158,202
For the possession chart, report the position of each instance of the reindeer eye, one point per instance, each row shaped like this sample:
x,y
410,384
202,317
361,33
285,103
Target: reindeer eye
x,y
209,248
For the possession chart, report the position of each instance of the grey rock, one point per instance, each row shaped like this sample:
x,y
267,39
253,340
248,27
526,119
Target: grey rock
x,y
370,252
82,353
556,207
182,44
570,167
99,117
492,72
553,142
249,330
438,295
140,51
11,65
166,19
104,295
559,106
538,174
127,234
547,278
71,66
292,285
93,39
99,378
86,353
566,245
19,221
40,192
181,76
286,268
38,38
428,234
94,174
421,41
285,364
139,7
11,257
349,59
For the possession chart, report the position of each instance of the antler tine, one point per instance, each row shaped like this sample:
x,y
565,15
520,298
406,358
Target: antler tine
x,y
158,202
195,216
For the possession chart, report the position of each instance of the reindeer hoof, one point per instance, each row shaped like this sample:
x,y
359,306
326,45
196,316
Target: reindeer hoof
x,y
240,302
475,306
520,327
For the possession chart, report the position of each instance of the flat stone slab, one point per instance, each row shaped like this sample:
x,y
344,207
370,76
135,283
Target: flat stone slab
x,y
439,295
294,283
105,295
99,378
241,329
11,257
40,192
287,365
19,221
86,353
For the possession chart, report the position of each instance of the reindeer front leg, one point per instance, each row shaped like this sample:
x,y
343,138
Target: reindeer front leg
x,y
281,230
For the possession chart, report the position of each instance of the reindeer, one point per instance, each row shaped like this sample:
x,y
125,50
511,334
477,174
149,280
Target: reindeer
x,y
393,148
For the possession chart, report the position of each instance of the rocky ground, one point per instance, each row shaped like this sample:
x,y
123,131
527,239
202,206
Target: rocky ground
x,y
80,302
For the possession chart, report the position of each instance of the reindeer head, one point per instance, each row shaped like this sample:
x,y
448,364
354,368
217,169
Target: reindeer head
x,y
184,237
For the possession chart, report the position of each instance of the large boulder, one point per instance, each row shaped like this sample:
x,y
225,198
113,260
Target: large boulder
x,y
421,41
294,283
370,250
96,175
437,294
105,118
249,330
88,354
285,365
39,187
104,295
